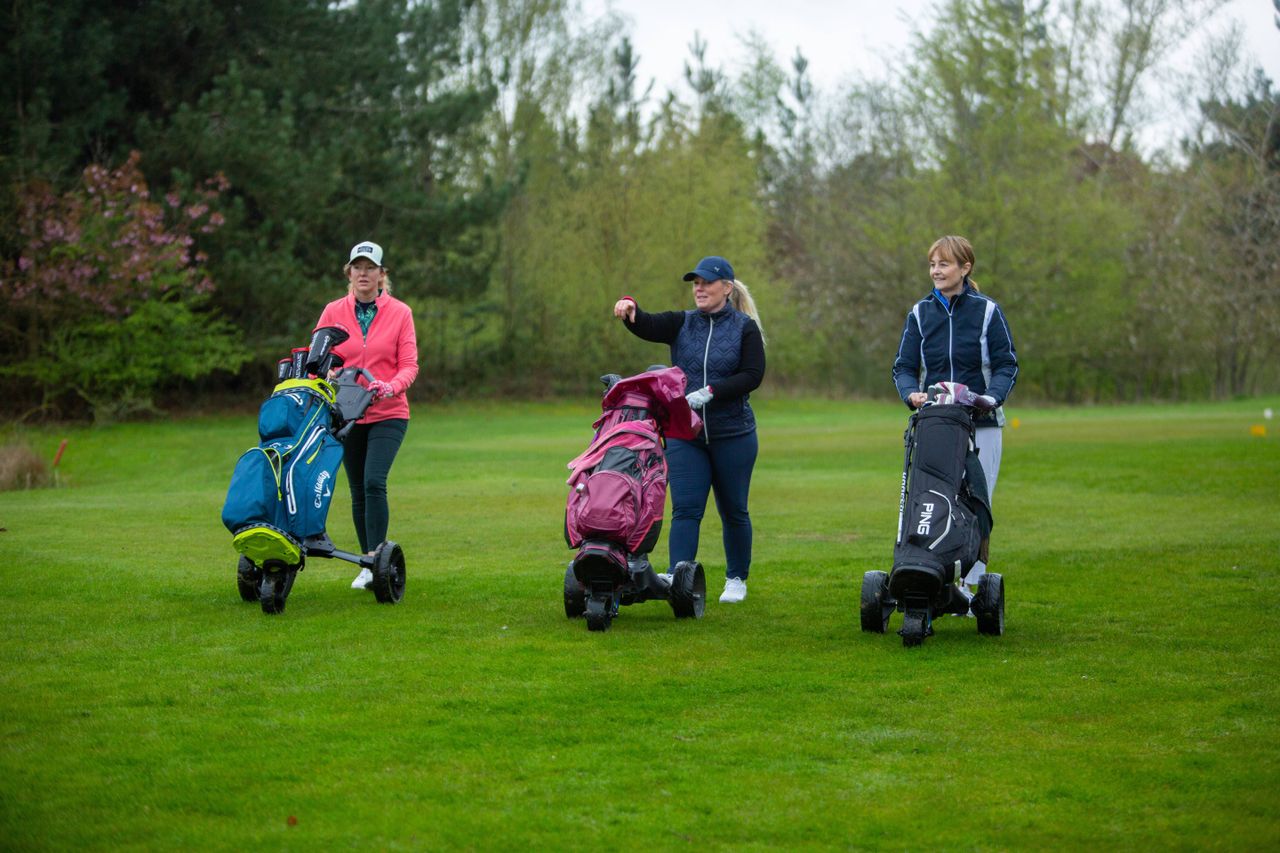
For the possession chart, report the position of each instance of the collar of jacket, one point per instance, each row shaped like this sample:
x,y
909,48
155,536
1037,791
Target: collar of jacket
x,y
725,310
950,304
380,300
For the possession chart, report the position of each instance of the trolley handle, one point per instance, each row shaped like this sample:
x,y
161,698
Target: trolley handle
x,y
352,372
353,399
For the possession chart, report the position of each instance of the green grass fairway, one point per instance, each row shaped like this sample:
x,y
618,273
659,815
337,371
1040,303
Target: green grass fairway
x,y
1134,701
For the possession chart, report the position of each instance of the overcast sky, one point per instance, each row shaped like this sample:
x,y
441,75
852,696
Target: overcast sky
x,y
840,38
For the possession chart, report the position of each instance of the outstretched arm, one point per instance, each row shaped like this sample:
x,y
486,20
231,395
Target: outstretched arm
x,y
660,328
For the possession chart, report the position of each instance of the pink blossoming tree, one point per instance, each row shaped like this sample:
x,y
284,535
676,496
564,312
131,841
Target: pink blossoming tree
x,y
108,290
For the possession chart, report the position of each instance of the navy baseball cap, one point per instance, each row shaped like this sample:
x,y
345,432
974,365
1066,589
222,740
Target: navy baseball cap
x,y
711,268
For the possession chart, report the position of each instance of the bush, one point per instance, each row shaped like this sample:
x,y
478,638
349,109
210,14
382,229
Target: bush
x,y
108,297
22,468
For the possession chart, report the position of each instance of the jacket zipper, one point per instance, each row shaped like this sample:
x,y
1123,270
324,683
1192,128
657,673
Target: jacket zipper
x,y
951,357
364,341
706,422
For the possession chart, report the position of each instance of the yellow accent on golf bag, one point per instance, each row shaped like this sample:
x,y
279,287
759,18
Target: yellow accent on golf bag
x,y
264,543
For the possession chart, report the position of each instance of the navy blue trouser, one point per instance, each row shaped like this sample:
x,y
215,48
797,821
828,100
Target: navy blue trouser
x,y
694,469
367,455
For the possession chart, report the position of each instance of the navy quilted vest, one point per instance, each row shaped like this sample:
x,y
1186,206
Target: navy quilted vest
x,y
708,349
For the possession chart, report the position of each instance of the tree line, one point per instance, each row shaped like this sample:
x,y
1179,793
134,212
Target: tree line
x,y
184,181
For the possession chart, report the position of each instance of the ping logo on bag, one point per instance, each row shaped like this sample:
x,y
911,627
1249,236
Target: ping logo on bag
x,y
926,515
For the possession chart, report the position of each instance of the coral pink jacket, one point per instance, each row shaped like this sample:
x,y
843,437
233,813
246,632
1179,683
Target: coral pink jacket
x,y
389,351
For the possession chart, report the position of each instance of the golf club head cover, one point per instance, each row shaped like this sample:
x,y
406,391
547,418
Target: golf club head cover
x,y
983,402
956,392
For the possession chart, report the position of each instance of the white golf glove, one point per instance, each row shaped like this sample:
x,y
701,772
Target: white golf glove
x,y
698,399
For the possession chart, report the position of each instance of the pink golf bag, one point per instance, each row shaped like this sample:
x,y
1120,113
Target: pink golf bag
x,y
617,492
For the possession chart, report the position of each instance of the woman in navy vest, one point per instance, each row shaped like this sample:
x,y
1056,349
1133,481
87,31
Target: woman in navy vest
x,y
720,347
956,334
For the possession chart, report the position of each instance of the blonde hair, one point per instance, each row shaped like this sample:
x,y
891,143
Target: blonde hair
x,y
740,299
385,285
957,249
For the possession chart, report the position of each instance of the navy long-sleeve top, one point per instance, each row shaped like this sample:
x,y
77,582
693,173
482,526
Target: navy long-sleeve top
x,y
724,350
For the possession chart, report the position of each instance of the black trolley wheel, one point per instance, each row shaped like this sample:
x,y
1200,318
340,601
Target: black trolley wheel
x,y
875,606
388,573
248,579
988,605
915,627
274,589
688,596
599,614
575,597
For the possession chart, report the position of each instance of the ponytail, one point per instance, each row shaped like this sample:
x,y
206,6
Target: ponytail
x,y
740,299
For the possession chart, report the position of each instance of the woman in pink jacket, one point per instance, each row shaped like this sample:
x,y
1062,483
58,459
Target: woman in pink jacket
x,y
383,341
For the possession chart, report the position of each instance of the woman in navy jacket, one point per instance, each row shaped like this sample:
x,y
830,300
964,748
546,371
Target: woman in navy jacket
x,y
956,334
720,347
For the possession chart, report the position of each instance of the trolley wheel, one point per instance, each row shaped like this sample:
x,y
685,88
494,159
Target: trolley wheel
x,y
914,627
388,573
575,597
599,614
248,578
274,589
876,606
688,594
988,605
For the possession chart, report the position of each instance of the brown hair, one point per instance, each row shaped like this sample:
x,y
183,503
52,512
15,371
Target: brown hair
x,y
957,249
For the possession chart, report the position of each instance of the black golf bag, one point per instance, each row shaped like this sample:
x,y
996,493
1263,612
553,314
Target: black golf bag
x,y
944,521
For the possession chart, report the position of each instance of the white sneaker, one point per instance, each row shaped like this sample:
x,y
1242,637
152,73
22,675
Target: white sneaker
x,y
735,589
364,580
666,576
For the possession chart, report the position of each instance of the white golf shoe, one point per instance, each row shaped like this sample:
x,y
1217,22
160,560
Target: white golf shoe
x,y
364,580
735,589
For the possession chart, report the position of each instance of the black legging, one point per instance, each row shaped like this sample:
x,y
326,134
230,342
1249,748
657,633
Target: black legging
x,y
368,453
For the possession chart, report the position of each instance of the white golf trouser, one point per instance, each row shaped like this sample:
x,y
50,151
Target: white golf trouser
x,y
990,443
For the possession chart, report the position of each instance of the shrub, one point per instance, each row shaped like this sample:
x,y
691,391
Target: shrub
x,y
22,468
107,298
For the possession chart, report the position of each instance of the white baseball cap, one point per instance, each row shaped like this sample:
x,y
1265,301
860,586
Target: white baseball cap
x,y
372,251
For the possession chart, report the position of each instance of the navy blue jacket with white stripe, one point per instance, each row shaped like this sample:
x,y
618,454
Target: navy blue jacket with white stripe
x,y
967,341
